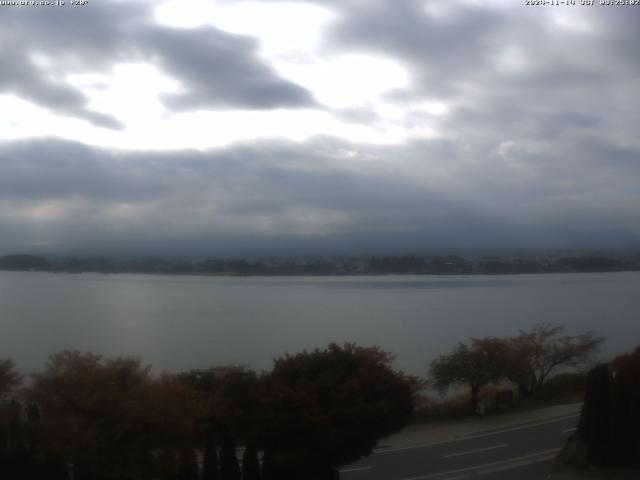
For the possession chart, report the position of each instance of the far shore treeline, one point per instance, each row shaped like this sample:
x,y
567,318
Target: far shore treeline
x,y
335,265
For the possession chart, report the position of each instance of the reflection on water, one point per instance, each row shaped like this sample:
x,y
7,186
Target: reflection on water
x,y
178,322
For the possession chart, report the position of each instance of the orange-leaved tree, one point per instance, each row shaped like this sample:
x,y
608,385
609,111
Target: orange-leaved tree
x,y
110,415
329,407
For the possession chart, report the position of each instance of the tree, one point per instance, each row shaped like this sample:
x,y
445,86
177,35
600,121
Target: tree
x,y
86,407
610,417
329,407
537,352
475,366
9,377
625,409
233,398
109,415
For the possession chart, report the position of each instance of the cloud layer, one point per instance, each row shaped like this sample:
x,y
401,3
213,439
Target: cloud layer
x,y
515,127
217,69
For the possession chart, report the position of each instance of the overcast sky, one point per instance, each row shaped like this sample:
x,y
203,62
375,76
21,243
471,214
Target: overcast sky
x,y
228,126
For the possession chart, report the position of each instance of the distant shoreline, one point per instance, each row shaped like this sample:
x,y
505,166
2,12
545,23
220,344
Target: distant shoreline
x,y
332,266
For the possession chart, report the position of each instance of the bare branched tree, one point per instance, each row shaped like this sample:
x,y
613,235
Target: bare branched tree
x,y
540,350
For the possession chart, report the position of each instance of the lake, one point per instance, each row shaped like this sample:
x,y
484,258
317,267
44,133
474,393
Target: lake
x,y
181,322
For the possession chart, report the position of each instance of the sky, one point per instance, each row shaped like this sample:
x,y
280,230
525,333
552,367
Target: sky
x,y
225,127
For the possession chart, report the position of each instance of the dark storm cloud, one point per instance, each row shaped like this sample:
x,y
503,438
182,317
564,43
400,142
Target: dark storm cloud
x,y
215,68
34,171
267,177
311,195
227,192
220,70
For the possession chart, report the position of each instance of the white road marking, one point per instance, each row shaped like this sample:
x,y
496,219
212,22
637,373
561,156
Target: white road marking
x,y
520,427
503,468
544,455
473,436
516,465
477,450
354,469
570,430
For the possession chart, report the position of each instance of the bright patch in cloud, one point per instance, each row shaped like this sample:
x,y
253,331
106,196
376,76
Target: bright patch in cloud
x,y
21,119
131,93
206,129
40,60
280,27
433,107
199,130
512,59
348,80
39,213
572,21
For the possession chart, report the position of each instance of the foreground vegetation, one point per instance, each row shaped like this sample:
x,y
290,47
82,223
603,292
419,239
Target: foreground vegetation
x,y
607,434
527,361
111,419
99,418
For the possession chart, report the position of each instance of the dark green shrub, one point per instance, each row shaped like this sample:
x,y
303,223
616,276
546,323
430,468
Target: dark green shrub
x,y
610,420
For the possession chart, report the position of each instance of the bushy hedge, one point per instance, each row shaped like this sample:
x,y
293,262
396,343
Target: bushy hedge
x,y
610,420
111,419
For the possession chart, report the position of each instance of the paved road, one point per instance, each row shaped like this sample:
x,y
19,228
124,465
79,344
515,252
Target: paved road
x,y
519,452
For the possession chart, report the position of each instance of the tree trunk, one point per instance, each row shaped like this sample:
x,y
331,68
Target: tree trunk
x,y
526,389
167,465
210,459
475,389
250,463
188,465
229,467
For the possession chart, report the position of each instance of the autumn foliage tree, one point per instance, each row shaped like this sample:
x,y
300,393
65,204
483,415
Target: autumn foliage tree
x,y
110,415
329,407
528,359
482,362
233,401
233,397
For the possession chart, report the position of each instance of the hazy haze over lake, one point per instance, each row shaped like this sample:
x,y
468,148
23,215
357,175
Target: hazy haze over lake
x,y
179,322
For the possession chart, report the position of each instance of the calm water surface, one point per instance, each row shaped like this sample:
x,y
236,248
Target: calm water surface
x,y
180,322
